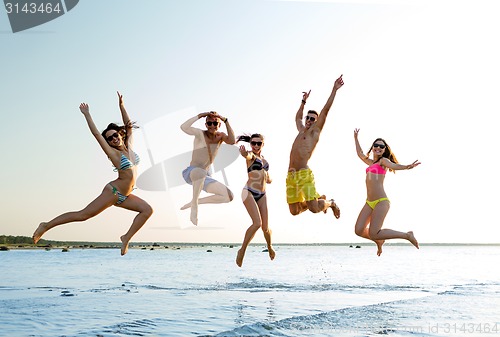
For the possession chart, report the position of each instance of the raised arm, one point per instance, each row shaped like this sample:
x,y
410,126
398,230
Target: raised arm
x,y
84,108
339,82
389,164
187,125
300,113
248,155
359,151
125,118
230,138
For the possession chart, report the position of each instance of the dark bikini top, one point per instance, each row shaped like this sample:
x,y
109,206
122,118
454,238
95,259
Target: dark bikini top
x,y
257,166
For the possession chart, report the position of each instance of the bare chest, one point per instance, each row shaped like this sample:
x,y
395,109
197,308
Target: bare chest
x,y
306,140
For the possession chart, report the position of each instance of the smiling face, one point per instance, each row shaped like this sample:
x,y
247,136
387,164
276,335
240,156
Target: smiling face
x,y
310,118
114,138
379,147
256,143
212,124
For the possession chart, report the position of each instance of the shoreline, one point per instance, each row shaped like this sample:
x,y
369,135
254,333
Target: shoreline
x,y
184,245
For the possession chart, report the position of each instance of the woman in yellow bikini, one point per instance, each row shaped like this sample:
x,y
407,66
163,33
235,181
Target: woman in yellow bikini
x,y
371,218
116,142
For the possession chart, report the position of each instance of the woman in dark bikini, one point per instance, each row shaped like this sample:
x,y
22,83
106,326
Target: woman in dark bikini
x,y
116,142
372,215
254,193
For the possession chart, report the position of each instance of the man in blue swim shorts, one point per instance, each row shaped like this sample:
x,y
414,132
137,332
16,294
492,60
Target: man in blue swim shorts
x,y
206,145
301,191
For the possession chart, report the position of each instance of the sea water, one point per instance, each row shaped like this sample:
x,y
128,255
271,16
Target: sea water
x,y
308,290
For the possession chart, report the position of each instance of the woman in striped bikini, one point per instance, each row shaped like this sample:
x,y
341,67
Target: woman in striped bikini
x,y
254,193
116,143
372,215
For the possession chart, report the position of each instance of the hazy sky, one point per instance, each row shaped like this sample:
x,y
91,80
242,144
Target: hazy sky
x,y
422,75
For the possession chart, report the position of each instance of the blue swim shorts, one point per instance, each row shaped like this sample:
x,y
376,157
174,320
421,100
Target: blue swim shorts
x,y
186,174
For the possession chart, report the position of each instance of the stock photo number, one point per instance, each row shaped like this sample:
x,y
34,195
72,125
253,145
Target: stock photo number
x,y
26,14
466,328
32,7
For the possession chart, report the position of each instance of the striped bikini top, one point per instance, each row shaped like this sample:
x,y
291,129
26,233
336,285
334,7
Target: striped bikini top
x,y
126,164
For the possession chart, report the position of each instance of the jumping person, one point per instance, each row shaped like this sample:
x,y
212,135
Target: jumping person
x,y
300,185
116,142
254,194
205,147
371,218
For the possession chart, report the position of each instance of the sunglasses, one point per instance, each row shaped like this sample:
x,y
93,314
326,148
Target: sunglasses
x,y
110,138
312,119
213,123
382,146
256,143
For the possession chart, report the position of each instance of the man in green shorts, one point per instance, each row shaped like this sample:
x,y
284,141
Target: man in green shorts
x,y
301,191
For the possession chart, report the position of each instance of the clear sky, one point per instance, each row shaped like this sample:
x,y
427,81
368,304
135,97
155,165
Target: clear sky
x,y
421,74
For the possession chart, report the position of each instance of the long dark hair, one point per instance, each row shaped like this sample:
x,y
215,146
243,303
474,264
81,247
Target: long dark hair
x,y
387,152
247,138
124,130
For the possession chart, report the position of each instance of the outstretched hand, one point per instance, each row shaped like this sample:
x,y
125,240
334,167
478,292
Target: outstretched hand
x,y
120,98
243,151
84,108
339,82
412,165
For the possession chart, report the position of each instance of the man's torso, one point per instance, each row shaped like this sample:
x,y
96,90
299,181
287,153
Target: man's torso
x,y
303,147
202,156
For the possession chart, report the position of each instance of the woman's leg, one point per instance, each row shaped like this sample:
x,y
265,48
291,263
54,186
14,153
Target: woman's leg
x,y
361,227
377,233
103,201
254,213
134,203
262,204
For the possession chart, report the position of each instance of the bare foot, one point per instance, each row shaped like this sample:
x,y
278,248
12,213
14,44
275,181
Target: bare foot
x,y
37,235
239,258
335,208
412,239
194,217
124,245
272,253
186,206
324,198
379,243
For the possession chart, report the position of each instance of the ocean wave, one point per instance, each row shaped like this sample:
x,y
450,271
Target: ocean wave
x,y
428,315
252,286
478,289
353,321
260,286
142,327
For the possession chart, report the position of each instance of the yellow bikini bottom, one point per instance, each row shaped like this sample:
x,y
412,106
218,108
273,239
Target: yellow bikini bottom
x,y
374,203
